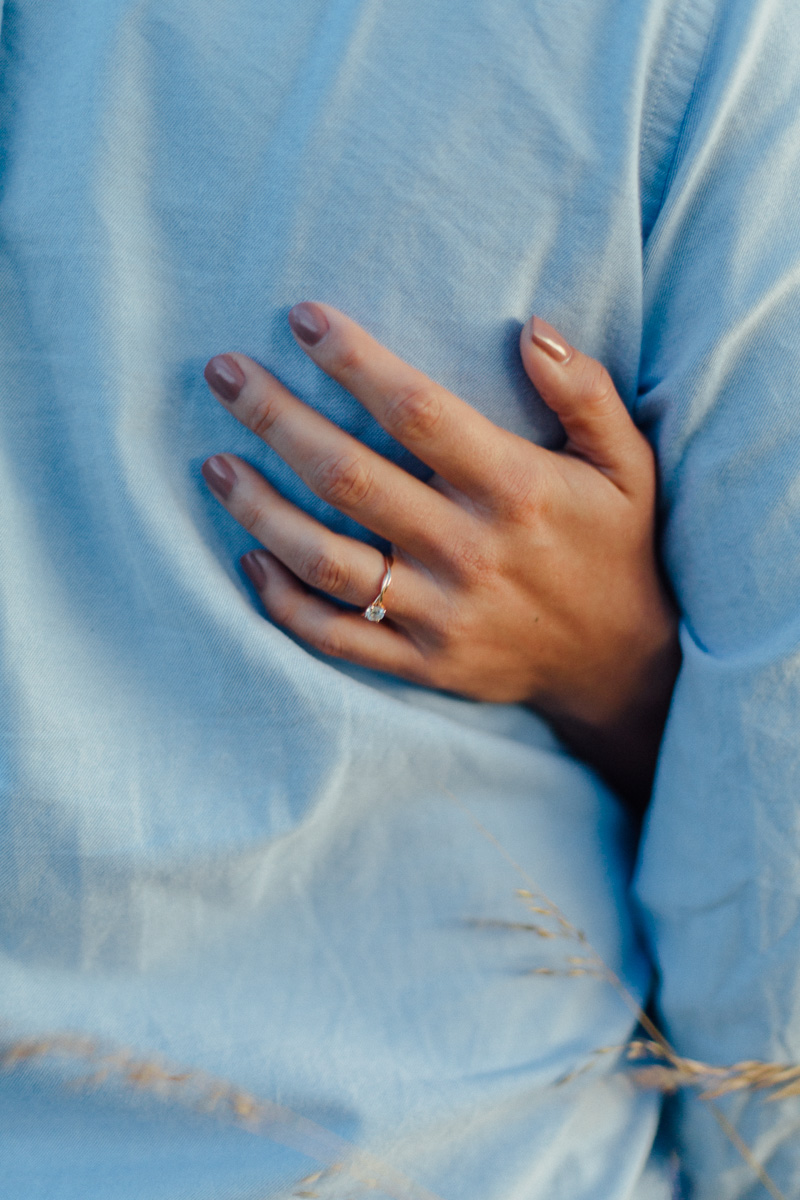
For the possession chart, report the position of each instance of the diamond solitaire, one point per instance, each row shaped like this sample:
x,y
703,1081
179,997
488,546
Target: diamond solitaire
x,y
376,611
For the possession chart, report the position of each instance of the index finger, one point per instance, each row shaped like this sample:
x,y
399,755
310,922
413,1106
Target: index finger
x,y
450,436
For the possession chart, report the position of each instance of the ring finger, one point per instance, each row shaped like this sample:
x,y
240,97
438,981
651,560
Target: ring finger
x,y
341,567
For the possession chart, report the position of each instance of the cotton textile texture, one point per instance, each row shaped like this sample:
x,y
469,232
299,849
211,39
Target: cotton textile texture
x,y
220,850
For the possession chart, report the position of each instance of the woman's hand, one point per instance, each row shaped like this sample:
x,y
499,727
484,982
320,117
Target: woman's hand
x,y
519,574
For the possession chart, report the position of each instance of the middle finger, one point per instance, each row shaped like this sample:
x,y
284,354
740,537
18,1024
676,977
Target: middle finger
x,y
336,466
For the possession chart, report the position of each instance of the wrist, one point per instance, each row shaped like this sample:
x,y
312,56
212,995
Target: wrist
x,y
620,733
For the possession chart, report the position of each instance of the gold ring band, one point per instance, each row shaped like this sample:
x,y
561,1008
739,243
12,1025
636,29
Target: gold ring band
x,y
377,610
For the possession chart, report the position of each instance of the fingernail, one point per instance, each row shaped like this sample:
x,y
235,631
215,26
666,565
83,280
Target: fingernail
x,y
549,340
308,323
219,475
253,565
225,376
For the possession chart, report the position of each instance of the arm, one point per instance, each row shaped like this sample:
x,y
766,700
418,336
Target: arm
x,y
720,860
520,574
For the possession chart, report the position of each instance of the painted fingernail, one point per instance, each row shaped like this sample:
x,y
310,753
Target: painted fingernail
x,y
549,340
308,323
219,475
253,565
225,376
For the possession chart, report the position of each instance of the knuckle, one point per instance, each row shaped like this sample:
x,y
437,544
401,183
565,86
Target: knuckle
x,y
472,562
249,516
324,573
329,642
263,419
596,385
522,491
342,480
349,363
414,412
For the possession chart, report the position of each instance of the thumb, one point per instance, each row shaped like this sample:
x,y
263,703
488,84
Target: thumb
x,y
581,393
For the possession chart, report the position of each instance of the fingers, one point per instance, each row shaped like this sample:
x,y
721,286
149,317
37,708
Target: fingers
x,y
582,394
342,567
337,467
329,630
459,443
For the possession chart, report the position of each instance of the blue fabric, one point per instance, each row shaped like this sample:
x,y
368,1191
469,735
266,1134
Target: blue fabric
x,y
219,849
720,869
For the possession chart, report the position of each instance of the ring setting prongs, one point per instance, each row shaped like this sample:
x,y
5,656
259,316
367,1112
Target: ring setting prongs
x,y
376,611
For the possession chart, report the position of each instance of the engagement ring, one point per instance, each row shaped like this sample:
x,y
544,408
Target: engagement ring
x,y
377,610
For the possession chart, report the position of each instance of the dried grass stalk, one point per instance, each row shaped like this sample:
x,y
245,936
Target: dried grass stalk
x,y
207,1094
669,1071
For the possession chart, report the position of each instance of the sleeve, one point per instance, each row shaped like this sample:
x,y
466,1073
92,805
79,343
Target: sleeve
x,y
719,871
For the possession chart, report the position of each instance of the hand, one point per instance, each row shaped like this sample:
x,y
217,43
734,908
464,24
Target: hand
x,y
520,574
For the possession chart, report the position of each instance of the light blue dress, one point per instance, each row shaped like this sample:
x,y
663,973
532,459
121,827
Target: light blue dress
x,y
225,854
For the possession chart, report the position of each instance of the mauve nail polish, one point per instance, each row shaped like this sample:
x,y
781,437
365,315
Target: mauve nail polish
x,y
308,323
219,475
253,566
225,376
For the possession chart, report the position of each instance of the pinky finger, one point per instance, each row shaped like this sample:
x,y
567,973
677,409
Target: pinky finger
x,y
327,628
